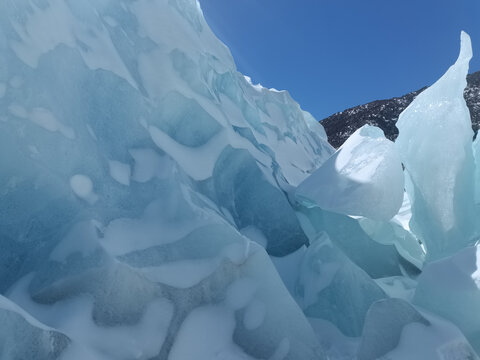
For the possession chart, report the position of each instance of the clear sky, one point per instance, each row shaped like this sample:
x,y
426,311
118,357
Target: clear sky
x,y
335,54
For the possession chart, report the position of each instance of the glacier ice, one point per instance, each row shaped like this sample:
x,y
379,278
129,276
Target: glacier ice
x,y
476,153
134,149
156,204
23,337
384,323
394,329
450,287
392,233
359,242
328,281
442,182
363,178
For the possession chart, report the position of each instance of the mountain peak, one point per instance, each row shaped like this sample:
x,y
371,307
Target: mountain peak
x,y
385,113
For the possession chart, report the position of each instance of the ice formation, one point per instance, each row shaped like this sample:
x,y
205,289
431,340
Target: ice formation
x,y
364,178
441,184
451,288
134,156
476,153
155,204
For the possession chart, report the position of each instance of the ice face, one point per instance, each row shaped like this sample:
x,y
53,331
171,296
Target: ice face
x,y
391,233
393,329
139,161
359,239
23,337
450,288
364,178
441,187
328,281
476,153
384,323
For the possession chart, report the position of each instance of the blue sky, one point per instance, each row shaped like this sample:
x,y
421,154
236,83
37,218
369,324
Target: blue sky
x,y
335,54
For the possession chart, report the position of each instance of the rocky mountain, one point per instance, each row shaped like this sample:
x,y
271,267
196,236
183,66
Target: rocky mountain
x,y
385,113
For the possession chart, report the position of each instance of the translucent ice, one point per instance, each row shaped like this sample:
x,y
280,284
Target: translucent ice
x,y
361,243
328,281
442,188
384,323
476,153
364,177
451,288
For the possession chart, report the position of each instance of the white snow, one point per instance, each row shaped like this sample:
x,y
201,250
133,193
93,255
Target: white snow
x,y
182,274
119,171
82,186
45,119
240,293
363,178
206,334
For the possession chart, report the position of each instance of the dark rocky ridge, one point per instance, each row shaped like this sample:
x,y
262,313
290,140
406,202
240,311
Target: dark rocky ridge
x,y
385,113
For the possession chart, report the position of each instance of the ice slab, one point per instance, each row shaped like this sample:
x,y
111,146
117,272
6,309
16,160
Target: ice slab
x,y
441,184
450,288
327,283
363,178
383,328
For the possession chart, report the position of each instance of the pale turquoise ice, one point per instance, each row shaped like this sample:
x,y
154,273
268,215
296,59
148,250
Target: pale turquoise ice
x,y
363,178
476,154
450,287
435,143
148,201
327,283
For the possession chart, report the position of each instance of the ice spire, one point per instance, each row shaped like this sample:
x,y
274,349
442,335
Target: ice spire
x,y
435,143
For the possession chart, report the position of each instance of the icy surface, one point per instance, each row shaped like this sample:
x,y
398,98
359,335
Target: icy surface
x,y
442,182
476,153
450,288
440,340
364,178
328,281
384,323
156,204
141,168
398,331
23,337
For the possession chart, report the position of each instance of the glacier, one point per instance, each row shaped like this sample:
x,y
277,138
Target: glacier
x,y
156,204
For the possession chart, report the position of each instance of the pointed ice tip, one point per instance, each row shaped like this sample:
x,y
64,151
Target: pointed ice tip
x,y
466,52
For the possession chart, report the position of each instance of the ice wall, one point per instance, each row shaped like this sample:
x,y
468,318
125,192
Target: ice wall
x,y
133,159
